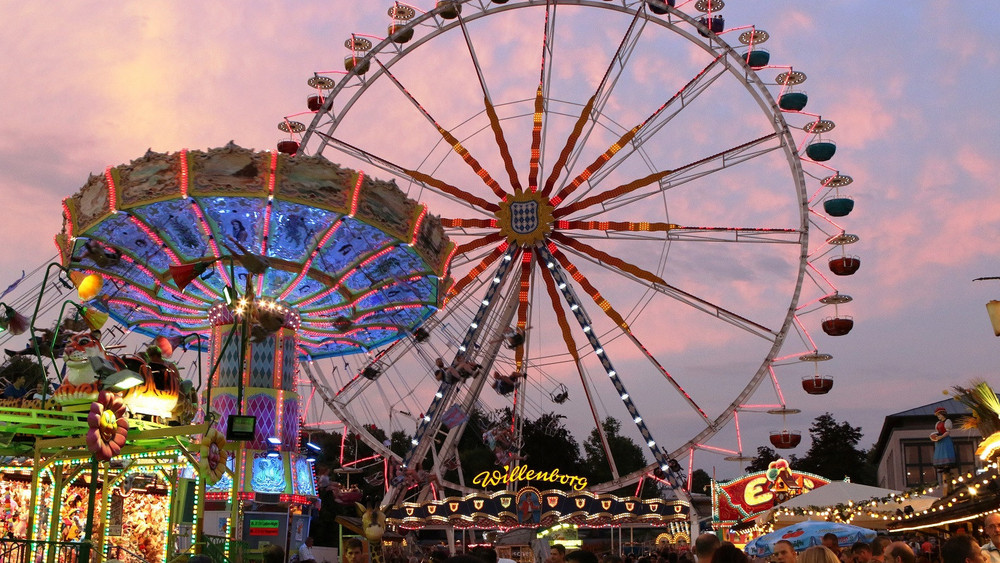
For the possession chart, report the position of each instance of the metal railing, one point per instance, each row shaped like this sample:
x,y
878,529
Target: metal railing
x,y
215,549
13,550
117,552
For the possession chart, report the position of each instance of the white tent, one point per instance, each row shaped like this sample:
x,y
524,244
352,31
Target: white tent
x,y
844,492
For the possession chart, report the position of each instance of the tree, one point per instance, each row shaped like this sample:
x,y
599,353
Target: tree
x,y
549,445
765,455
628,457
834,452
700,481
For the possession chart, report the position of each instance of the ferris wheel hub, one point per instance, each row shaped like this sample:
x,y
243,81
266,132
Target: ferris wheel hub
x,y
525,218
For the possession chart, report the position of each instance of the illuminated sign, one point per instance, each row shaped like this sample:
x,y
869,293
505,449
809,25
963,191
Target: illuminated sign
x,y
241,428
524,473
264,527
743,498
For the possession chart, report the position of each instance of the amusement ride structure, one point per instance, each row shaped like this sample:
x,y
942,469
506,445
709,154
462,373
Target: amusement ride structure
x,y
624,180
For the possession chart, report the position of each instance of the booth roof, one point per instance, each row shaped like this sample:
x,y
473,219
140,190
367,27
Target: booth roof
x,y
837,492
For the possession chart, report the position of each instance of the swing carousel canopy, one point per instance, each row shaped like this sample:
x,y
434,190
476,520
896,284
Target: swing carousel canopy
x,y
358,263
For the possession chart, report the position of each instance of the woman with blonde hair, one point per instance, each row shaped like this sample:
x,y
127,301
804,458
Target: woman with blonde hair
x,y
818,554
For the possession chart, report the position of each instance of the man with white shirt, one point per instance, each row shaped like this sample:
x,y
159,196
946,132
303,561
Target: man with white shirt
x,y
305,551
991,526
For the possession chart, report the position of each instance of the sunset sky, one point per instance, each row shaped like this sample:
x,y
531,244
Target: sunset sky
x,y
912,87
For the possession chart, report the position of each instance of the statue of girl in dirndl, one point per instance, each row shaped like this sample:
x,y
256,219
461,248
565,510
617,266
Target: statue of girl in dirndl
x,y
944,448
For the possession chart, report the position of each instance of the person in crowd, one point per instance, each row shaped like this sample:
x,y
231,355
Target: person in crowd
x,y
557,553
42,390
729,553
991,525
784,552
484,552
274,554
17,389
581,556
861,552
899,552
354,551
927,548
819,554
962,549
831,542
705,546
305,551
878,546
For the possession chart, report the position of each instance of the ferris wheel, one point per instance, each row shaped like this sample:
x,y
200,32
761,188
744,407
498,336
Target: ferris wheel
x,y
638,201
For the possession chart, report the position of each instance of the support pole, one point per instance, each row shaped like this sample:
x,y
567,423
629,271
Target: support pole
x,y
36,476
87,544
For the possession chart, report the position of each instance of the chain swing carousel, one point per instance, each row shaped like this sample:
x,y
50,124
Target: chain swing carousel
x,y
260,260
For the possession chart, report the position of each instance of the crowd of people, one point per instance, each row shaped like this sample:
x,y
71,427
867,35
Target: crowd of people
x,y
961,547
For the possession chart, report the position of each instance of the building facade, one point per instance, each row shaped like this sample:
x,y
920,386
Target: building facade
x,y
904,451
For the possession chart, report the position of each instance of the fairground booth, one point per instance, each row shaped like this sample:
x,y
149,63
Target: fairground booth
x,y
550,516
740,505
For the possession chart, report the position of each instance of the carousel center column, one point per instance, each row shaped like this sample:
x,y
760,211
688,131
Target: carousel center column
x,y
253,393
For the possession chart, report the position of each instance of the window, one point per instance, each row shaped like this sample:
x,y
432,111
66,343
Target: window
x,y
918,460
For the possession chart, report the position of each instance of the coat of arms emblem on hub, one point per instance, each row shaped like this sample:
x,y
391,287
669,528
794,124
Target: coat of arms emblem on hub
x,y
525,218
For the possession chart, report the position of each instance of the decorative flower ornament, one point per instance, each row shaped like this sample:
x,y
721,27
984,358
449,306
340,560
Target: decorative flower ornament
x,y
108,426
213,455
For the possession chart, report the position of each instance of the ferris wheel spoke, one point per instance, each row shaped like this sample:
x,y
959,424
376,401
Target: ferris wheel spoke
x,y
455,144
663,178
571,347
574,136
474,202
602,94
623,141
623,266
462,260
489,351
449,189
681,233
470,223
538,123
587,286
692,300
523,301
482,241
536,139
491,113
670,109
474,273
602,256
548,257
736,235
508,160
446,392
